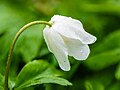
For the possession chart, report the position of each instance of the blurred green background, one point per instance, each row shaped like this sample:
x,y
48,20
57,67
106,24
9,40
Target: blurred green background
x,y
101,71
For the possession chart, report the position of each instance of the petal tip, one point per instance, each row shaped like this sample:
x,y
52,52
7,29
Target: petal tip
x,y
94,39
65,69
84,55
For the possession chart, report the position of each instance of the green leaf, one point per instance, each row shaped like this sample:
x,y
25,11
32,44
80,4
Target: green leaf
x,y
103,60
1,88
38,72
110,42
88,85
117,73
1,82
93,85
43,50
12,20
114,86
10,83
29,42
99,80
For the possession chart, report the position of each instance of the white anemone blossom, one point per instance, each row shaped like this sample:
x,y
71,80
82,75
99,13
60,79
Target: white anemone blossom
x,y
66,37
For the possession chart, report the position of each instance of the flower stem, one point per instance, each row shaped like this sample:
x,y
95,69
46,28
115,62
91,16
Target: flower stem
x,y
13,44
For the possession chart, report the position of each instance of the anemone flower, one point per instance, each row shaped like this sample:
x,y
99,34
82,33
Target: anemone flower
x,y
66,37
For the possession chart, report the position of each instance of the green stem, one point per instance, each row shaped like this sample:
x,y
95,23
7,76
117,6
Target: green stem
x,y
13,44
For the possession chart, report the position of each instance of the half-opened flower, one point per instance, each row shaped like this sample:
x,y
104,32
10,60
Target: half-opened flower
x,y
66,37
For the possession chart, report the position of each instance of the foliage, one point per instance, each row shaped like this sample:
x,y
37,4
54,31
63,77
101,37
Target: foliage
x,y
33,67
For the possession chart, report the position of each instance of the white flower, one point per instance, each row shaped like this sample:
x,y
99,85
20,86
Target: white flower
x,y
66,37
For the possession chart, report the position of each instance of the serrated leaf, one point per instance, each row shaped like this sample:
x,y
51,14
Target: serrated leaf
x,y
103,60
38,72
45,79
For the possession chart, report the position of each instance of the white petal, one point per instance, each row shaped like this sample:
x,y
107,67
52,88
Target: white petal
x,y
56,45
71,28
76,49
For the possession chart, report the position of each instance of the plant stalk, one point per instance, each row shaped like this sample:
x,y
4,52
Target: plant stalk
x,y
13,45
